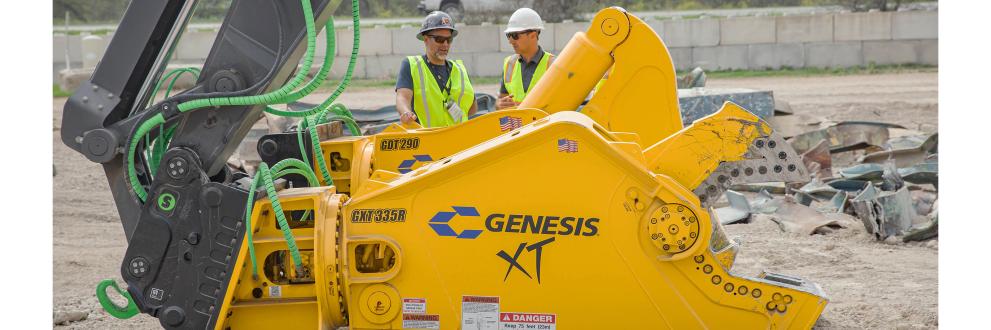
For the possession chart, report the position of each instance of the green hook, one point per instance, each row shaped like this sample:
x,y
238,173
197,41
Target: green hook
x,y
108,305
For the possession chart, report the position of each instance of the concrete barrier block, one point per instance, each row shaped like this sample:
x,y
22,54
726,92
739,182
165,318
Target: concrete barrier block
x,y
485,64
195,45
890,52
682,58
382,66
404,41
862,26
477,39
915,25
776,56
805,28
834,54
74,45
546,39
677,33
720,57
705,32
746,30
341,65
563,33
374,41
928,51
93,49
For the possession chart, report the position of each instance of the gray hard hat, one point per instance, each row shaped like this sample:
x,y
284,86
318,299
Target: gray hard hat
x,y
437,20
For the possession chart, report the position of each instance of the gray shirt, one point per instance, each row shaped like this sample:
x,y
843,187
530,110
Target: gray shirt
x,y
527,68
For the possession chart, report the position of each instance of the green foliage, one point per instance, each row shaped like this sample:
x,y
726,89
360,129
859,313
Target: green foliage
x,y
58,92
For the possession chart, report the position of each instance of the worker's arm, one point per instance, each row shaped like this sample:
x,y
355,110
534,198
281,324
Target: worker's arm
x,y
404,97
474,108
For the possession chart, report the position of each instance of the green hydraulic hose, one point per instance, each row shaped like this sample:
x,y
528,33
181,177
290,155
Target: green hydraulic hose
x,y
264,176
346,80
277,96
143,129
328,62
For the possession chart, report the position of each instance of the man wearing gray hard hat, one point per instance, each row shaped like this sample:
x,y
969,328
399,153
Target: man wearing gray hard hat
x,y
432,89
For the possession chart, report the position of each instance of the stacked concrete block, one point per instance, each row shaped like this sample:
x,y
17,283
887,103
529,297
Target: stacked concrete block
x,y
682,58
382,66
721,57
486,64
341,65
196,45
563,33
747,30
834,54
831,40
776,56
805,28
862,26
691,33
889,52
928,51
477,39
374,41
915,25
404,41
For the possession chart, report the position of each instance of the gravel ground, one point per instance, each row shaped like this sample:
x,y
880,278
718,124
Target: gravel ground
x,y
870,284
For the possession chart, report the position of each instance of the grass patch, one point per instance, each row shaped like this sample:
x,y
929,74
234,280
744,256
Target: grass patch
x,y
808,72
58,92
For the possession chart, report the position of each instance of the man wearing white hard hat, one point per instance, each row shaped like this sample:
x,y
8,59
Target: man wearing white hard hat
x,y
521,71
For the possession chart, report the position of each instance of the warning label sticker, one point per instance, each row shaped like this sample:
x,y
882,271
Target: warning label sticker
x,y
528,321
414,306
479,312
421,321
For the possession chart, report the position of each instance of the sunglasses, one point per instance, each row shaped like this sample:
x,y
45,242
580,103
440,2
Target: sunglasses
x,y
516,35
440,39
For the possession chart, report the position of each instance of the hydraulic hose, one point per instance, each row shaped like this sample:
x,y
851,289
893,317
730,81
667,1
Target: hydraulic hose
x,y
275,96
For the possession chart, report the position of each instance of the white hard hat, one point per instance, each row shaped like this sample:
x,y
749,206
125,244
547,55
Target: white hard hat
x,y
524,19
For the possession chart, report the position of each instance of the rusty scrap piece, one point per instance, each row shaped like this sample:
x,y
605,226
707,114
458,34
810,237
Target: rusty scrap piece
x,y
907,156
884,213
870,172
791,125
819,161
848,185
845,136
801,219
738,210
928,230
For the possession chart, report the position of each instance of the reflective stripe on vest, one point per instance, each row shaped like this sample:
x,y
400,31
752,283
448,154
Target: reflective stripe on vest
x,y
428,98
512,75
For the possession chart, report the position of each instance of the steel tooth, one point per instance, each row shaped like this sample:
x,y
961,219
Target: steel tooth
x,y
768,159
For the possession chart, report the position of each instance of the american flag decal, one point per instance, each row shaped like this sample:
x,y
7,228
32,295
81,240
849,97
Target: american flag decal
x,y
510,123
565,145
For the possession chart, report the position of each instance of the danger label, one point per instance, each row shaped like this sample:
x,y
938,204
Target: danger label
x,y
421,321
414,306
528,321
479,312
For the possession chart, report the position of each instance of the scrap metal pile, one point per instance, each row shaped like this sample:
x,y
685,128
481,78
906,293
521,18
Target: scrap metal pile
x,y
881,176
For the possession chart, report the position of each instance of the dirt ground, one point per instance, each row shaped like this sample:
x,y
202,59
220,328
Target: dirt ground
x,y
870,284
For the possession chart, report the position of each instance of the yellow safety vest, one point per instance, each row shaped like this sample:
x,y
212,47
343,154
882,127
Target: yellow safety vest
x,y
428,98
512,75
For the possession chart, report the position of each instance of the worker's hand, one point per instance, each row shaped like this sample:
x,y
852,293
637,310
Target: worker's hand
x,y
407,117
506,102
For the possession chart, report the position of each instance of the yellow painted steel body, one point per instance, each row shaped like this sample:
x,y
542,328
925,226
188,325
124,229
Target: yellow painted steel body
x,y
586,219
